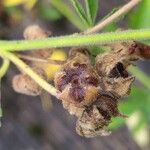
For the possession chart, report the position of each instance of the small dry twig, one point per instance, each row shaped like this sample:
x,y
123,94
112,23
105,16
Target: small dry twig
x,y
123,10
40,60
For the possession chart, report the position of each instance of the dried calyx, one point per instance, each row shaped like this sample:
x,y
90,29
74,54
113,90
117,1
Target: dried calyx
x,y
89,95
78,81
97,116
92,92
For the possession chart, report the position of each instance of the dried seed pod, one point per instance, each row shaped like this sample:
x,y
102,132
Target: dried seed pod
x,y
112,66
80,50
91,97
97,116
113,61
92,124
118,81
120,86
35,32
78,81
22,83
140,50
122,55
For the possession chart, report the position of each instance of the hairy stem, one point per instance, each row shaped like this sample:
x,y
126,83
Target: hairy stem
x,y
35,59
123,10
75,40
4,67
19,63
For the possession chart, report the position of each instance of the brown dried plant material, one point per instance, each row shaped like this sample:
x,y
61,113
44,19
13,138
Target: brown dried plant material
x,y
112,66
118,86
115,62
141,50
97,116
92,93
22,83
85,94
78,82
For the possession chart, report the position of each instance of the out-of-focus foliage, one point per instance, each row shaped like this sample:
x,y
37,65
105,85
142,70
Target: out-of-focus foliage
x,y
140,18
48,12
44,9
87,16
91,10
139,100
81,12
27,3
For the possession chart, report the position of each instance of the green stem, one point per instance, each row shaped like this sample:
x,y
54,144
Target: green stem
x,y
4,67
68,13
76,40
141,76
20,64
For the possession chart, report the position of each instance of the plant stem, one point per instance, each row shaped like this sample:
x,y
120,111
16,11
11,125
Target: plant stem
x,y
68,13
4,67
123,10
19,63
35,59
141,76
75,40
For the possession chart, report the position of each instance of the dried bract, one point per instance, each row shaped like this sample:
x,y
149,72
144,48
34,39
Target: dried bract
x,y
112,66
97,116
22,83
78,82
92,93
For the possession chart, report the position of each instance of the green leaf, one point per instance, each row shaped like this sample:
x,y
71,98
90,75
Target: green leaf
x,y
49,13
111,27
80,11
91,10
138,100
66,11
140,18
116,123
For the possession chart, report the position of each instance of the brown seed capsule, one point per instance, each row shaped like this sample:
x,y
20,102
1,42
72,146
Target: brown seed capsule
x,y
77,51
22,83
97,116
122,87
35,32
112,66
113,63
78,81
140,50
92,124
